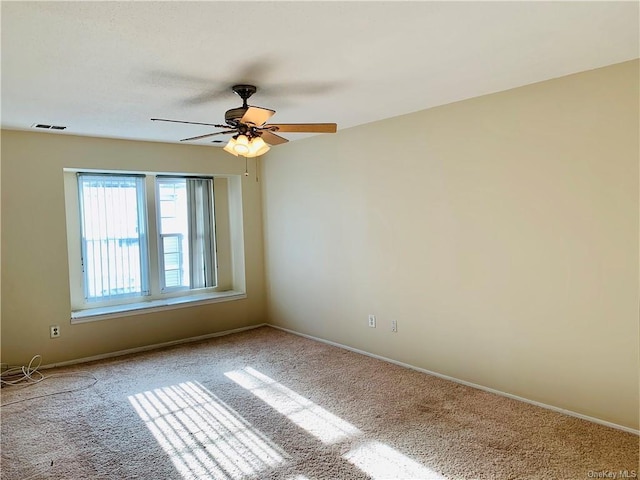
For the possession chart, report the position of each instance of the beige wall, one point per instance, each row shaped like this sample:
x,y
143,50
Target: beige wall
x,y
500,232
35,272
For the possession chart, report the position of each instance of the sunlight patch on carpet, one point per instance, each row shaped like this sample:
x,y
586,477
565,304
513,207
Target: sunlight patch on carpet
x,y
320,423
380,461
204,437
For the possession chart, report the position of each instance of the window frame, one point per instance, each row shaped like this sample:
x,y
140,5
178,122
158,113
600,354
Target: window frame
x,y
228,253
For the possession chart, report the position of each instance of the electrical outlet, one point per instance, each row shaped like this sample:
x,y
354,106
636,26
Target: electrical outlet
x,y
54,331
372,321
394,326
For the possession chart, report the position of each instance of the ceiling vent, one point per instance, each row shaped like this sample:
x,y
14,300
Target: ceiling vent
x,y
47,127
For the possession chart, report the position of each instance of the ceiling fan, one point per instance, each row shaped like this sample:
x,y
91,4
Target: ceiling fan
x,y
252,135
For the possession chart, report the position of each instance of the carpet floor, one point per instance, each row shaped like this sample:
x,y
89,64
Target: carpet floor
x,y
266,404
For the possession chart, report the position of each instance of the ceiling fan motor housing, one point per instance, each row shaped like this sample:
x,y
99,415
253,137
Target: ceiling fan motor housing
x,y
233,116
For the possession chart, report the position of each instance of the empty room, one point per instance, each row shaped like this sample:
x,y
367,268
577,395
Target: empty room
x,y
320,240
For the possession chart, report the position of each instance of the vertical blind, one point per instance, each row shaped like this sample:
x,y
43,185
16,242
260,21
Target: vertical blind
x,y
201,232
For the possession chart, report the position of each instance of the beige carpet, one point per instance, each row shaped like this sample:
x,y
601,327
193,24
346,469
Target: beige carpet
x,y
265,404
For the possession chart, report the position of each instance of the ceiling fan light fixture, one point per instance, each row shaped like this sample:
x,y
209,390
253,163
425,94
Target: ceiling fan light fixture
x,y
258,147
241,145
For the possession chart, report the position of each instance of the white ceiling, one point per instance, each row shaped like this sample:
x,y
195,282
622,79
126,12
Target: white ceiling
x,y
105,68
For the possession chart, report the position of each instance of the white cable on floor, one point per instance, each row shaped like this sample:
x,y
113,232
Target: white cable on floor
x,y
29,375
24,373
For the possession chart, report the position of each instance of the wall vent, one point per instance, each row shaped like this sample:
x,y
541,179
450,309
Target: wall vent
x,y
47,127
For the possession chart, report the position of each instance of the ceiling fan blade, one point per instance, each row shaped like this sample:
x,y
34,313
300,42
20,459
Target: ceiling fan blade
x,y
303,127
207,135
257,116
272,138
192,123
212,88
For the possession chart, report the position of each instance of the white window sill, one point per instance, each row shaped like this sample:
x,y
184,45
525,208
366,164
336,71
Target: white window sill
x,y
103,313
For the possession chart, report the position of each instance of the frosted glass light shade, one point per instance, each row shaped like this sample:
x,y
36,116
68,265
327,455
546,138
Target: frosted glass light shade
x,y
229,147
257,147
241,145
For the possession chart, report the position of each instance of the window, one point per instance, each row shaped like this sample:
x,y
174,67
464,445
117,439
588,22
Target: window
x,y
144,240
113,240
186,229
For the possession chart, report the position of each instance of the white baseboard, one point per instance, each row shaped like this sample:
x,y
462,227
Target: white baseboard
x,y
463,382
346,347
155,346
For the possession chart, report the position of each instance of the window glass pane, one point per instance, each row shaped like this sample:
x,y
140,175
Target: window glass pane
x,y
173,222
113,236
174,270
